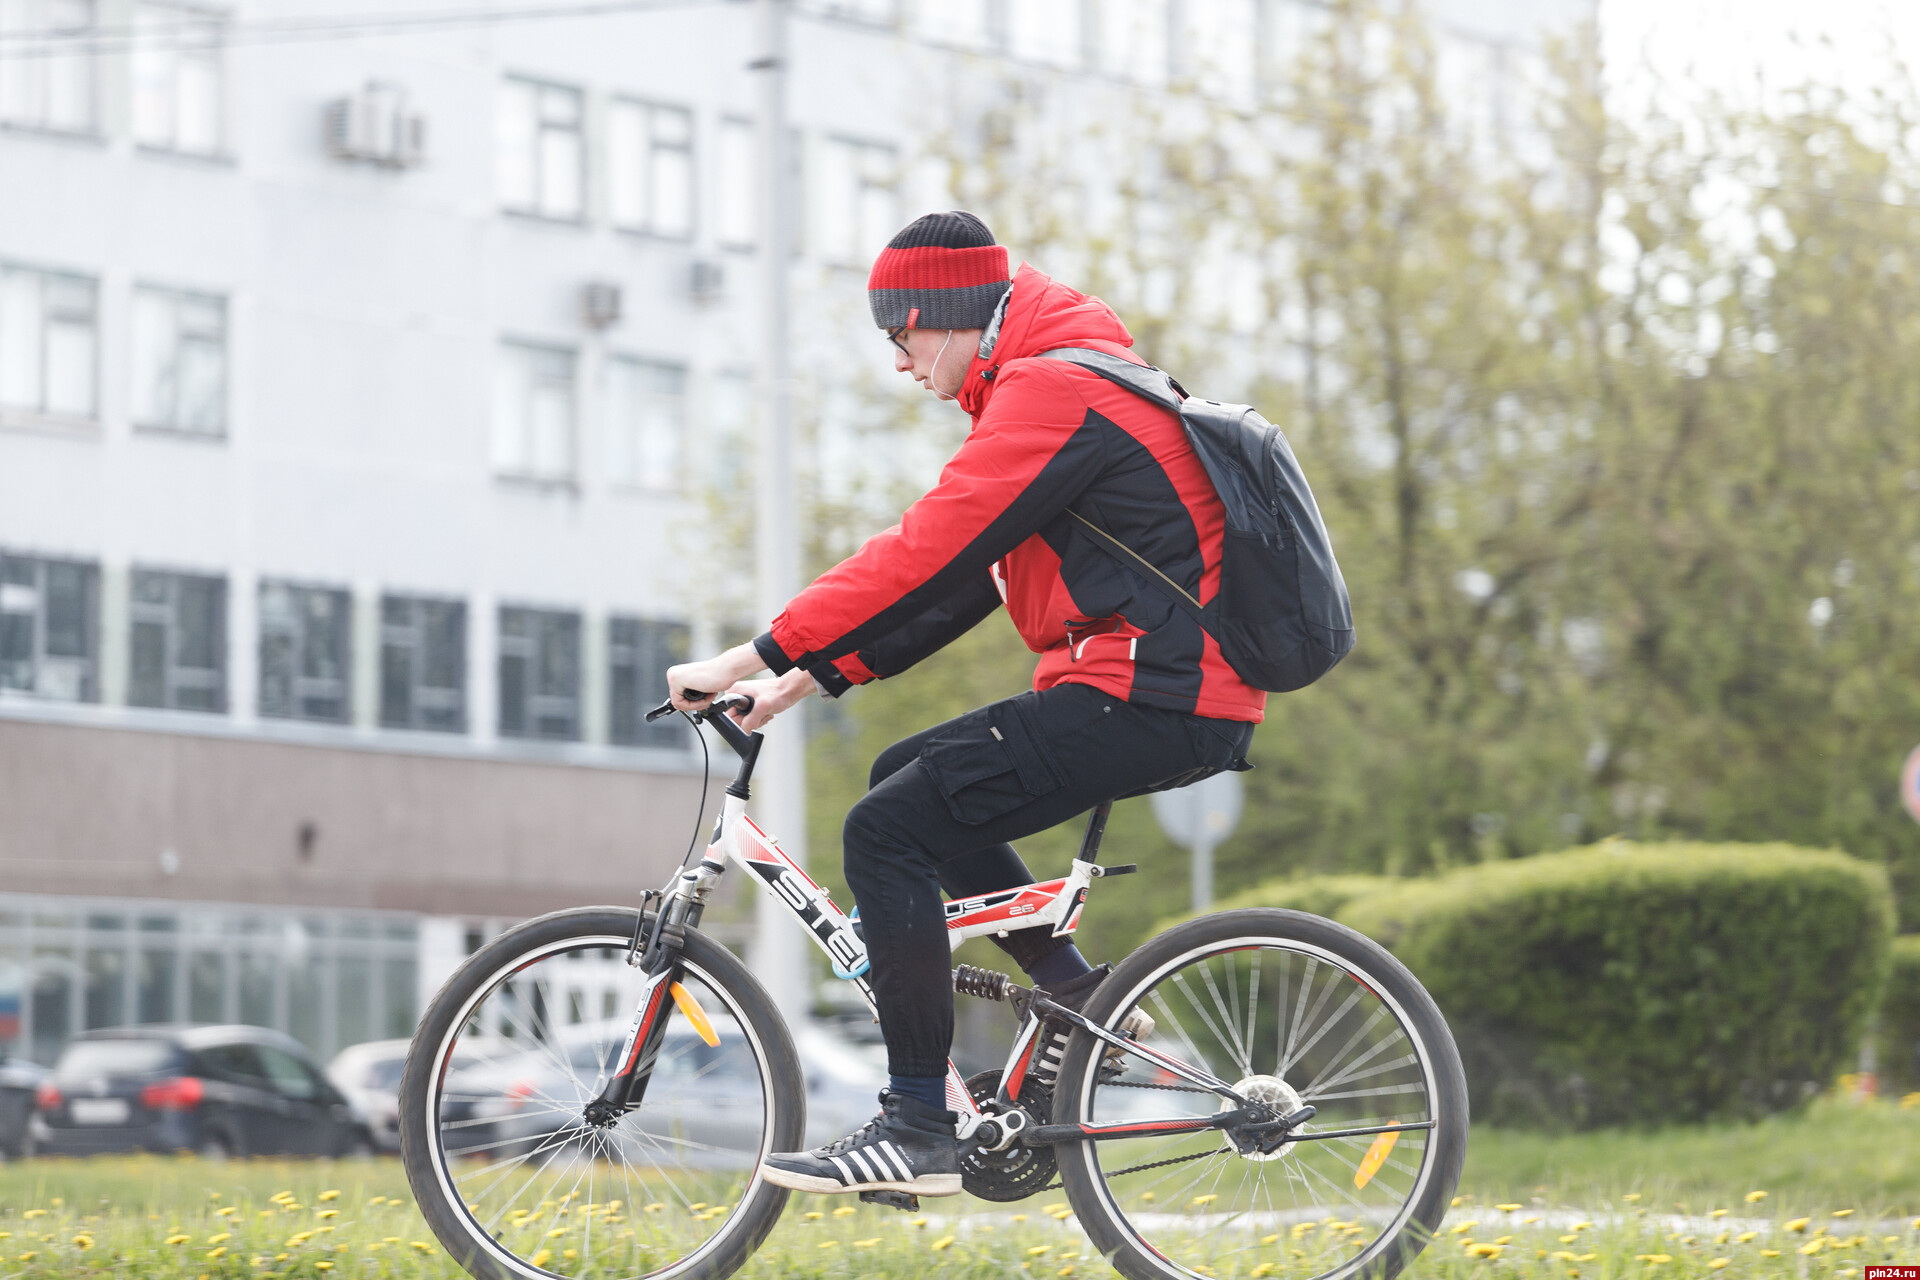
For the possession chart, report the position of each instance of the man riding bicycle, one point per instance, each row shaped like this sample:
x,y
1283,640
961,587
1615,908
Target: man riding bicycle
x,y
1130,694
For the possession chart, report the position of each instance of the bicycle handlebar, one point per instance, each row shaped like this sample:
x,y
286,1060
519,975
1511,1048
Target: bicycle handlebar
x,y
720,706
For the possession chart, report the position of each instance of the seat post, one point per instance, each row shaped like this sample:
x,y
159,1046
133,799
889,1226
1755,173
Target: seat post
x,y
1096,829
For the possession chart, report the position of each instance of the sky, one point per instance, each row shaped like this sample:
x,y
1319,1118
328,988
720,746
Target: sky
x,y
1725,42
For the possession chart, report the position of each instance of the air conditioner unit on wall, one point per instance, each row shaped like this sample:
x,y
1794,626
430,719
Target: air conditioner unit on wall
x,y
376,125
600,304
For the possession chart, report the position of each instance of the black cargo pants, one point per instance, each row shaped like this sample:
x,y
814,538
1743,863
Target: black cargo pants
x,y
944,803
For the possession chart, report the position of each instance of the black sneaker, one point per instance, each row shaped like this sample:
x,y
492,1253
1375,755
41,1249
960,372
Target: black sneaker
x,y
1053,1033
908,1147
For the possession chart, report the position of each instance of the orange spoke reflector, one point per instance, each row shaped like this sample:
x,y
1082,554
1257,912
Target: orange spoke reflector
x,y
698,1017
1369,1163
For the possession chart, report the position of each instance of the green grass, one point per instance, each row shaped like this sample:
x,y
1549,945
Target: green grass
x,y
1647,1198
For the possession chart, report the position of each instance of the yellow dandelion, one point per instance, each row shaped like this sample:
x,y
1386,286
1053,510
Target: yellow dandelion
x,y
1065,1271
811,1214
1504,1240
1561,1255
1039,1249
1745,1236
1460,1230
1586,1257
1530,1219
845,1211
1507,1208
866,1244
918,1222
569,1253
1061,1215
1272,1239
329,1195
942,1243
83,1241
1568,1239
1049,1208
556,1233
1718,1213
1718,1264
1769,1253
1019,1217
1842,1213
226,1211
179,1238
541,1258
1457,1202
1199,1202
1484,1250
1755,1197
1580,1226
383,1200
328,1213
421,1245
1798,1224
221,1252
1631,1196
28,1256
829,1244
1810,1248
1148,1197
34,1213
1653,1259
1264,1269
221,1238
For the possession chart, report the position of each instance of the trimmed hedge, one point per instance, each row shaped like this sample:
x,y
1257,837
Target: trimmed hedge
x,y
1316,895
1627,983
1899,1020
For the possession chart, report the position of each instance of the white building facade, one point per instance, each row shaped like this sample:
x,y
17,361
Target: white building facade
x,y
365,388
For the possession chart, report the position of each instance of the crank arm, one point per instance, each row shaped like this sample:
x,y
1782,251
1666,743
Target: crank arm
x,y
1045,1135
1193,1075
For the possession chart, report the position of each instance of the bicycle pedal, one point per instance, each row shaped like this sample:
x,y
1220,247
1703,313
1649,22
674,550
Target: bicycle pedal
x,y
892,1199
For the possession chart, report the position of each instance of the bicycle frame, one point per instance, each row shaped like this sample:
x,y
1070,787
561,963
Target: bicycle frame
x,y
1054,904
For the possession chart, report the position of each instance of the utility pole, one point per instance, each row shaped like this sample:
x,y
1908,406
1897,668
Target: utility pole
x,y
778,952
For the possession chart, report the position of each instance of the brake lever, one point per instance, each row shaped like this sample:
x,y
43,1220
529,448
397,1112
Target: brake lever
x,y
720,705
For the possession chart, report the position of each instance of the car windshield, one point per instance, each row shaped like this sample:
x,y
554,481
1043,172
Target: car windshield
x,y
94,1058
384,1073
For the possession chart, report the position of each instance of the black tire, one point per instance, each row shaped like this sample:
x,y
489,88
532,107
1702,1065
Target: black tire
x,y
746,1008
1423,1075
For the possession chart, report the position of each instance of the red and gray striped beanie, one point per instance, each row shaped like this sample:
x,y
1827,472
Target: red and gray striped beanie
x,y
943,272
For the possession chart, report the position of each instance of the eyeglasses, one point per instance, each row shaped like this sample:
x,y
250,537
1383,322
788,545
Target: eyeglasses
x,y
895,334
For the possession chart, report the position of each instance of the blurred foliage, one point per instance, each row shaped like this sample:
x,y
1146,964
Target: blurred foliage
x,y
1645,983
1897,1029
1613,424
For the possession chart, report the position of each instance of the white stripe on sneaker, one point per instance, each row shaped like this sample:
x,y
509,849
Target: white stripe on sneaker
x,y
899,1161
846,1174
859,1160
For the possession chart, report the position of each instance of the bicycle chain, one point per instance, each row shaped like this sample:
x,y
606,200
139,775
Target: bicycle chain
x,y
1155,1164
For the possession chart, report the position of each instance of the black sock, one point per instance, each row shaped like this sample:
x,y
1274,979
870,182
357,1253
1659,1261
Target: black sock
x,y
1060,966
931,1090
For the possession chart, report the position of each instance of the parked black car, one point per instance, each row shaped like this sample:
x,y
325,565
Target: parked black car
x,y
217,1090
19,1081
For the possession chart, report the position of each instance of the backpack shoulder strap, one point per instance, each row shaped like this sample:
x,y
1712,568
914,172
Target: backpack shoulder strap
x,y
1127,555
1142,379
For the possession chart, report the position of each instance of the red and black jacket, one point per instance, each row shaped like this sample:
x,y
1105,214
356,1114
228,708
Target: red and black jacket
x,y
1046,435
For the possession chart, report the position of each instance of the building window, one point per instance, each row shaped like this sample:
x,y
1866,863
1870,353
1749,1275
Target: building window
x,y
423,664
533,413
859,207
304,661
178,654
179,361
646,422
1044,31
542,155
639,651
539,674
48,82
177,90
736,211
729,434
961,22
48,342
50,628
1134,40
650,177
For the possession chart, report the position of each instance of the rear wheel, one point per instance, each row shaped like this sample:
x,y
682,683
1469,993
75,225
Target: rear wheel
x,y
1287,1009
512,1178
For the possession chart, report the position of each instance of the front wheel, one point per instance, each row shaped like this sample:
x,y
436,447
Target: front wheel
x,y
1288,1010
509,1173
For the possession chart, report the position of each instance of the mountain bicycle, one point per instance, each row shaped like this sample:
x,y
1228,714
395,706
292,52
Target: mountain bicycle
x,y
592,1092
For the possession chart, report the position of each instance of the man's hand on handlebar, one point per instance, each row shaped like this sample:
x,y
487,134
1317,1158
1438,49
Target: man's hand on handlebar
x,y
727,673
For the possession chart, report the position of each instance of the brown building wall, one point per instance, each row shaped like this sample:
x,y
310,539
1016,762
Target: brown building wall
x,y
90,810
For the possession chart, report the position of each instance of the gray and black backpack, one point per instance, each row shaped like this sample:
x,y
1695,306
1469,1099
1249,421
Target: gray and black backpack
x,y
1282,617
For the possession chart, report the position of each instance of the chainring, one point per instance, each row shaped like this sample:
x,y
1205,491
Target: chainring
x,y
1019,1171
